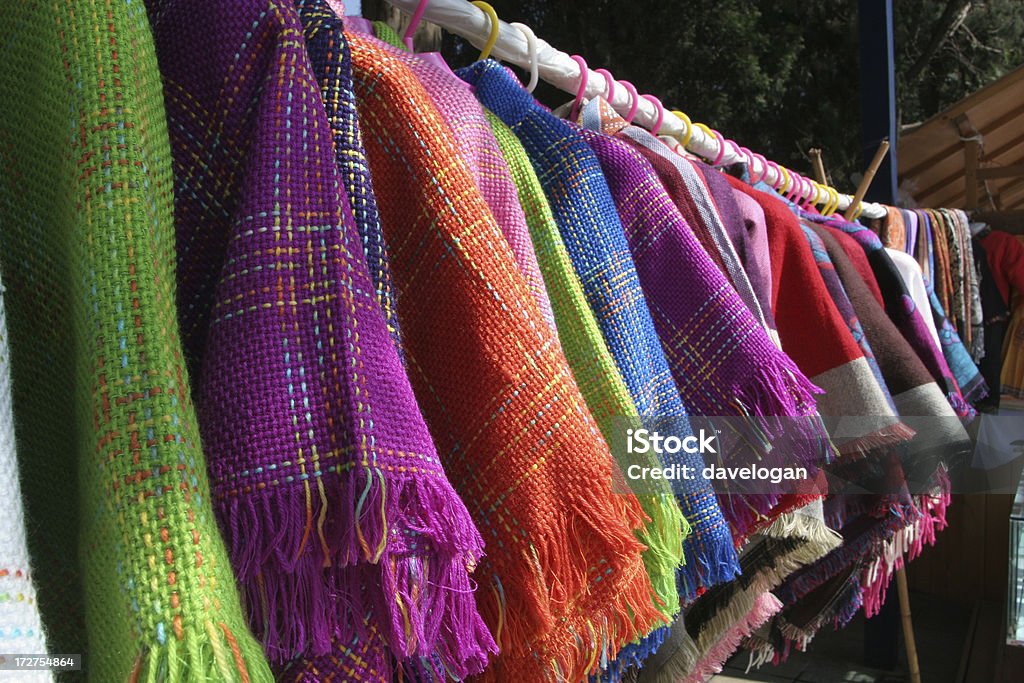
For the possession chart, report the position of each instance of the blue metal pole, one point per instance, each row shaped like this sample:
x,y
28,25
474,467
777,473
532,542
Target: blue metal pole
x,y
878,94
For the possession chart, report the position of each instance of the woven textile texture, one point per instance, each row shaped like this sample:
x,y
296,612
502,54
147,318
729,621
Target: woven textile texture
x,y
720,230
465,117
324,474
837,292
329,57
590,229
721,369
113,467
598,378
996,315
853,405
756,254
563,584
899,306
21,627
363,658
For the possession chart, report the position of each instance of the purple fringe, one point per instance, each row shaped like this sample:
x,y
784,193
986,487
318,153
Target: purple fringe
x,y
316,561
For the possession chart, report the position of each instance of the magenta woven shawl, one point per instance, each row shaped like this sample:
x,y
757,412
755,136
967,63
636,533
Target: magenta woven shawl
x,y
722,359
323,472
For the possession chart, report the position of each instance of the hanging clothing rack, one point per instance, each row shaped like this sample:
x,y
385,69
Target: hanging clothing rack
x,y
560,70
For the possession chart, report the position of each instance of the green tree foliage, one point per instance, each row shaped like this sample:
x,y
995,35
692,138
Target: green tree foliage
x,y
781,76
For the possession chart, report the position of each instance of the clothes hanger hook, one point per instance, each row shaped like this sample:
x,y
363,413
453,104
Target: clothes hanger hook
x,y
748,158
833,201
764,168
816,186
531,43
795,187
584,76
414,22
736,149
778,174
661,112
806,192
787,181
631,89
495,28
812,197
689,127
719,140
609,83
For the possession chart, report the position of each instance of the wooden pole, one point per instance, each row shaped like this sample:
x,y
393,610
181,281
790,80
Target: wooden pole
x,y
869,175
818,165
901,573
908,625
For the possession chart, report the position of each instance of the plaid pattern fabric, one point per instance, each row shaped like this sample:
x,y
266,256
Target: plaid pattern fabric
x,y
721,369
21,626
706,216
363,658
465,117
113,469
589,226
900,307
563,584
600,383
332,65
324,474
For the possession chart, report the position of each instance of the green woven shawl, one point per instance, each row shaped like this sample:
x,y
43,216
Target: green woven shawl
x,y
113,470
592,364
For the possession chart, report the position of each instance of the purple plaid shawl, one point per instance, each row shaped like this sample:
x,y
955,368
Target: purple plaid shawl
x,y
323,472
722,359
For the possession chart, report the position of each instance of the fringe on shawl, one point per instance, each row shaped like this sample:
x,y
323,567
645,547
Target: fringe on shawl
x,y
664,534
706,564
851,552
675,660
765,607
317,539
840,612
817,541
207,652
778,403
594,624
864,446
906,545
632,655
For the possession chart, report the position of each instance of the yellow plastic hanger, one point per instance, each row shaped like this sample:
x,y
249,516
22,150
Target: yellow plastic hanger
x,y
689,127
495,28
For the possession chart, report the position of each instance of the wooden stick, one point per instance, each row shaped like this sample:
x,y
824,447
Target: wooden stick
x,y
908,625
818,165
869,175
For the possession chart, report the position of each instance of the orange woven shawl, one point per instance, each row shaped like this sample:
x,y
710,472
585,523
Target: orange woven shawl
x,y
562,584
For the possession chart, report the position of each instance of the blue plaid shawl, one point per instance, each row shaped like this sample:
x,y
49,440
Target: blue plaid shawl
x,y
332,65
593,235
